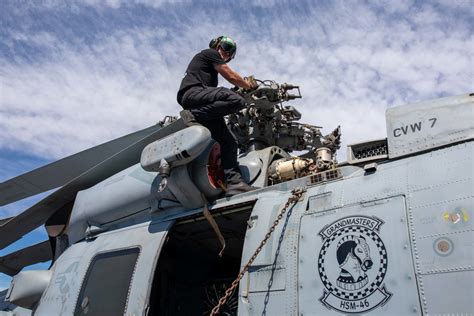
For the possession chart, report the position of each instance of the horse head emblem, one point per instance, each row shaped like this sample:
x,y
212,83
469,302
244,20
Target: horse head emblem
x,y
353,256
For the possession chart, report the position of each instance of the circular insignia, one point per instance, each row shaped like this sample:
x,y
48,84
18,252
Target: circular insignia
x,y
352,264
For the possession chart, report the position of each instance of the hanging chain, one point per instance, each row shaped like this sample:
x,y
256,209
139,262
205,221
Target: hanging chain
x,y
296,195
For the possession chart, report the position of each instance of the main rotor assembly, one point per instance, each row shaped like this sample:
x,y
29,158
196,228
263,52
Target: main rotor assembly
x,y
267,122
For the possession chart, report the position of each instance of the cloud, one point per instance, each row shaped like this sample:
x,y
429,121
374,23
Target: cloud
x,y
86,96
116,68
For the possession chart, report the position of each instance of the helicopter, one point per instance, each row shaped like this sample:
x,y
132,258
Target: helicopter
x,y
140,225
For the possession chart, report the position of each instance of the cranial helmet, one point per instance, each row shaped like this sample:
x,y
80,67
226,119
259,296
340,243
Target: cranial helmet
x,y
226,43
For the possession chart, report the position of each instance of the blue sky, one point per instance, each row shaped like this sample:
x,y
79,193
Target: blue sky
x,y
76,74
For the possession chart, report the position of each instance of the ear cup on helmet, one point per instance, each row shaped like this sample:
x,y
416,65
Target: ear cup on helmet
x,y
215,42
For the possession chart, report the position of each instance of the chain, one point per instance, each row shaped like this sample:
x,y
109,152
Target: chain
x,y
296,195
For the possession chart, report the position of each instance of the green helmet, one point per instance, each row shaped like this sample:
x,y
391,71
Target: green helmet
x,y
226,43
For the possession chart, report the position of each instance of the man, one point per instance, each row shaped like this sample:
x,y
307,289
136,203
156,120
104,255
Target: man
x,y
209,104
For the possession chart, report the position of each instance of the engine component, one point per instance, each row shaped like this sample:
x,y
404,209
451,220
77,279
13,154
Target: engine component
x,y
323,158
207,171
290,168
267,122
202,176
177,149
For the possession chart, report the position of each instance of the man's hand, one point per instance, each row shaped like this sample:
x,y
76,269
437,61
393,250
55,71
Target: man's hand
x,y
251,82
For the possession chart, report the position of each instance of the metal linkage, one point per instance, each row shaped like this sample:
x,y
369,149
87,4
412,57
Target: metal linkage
x,y
296,195
266,122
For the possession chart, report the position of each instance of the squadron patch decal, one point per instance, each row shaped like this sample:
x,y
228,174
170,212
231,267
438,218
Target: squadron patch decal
x,y
352,265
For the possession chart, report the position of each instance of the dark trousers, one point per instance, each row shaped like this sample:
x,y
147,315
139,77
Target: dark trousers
x,y
209,106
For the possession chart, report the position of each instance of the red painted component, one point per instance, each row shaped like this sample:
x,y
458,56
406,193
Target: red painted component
x,y
215,171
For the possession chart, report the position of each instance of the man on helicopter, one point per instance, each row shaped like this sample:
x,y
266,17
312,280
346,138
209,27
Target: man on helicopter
x,y
209,103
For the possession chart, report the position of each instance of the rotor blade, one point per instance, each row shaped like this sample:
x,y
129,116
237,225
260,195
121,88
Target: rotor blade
x,y
60,172
5,220
12,263
39,213
5,305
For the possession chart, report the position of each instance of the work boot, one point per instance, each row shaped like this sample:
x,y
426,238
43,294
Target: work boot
x,y
188,118
241,187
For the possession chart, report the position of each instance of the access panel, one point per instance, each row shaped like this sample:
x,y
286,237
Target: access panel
x,y
357,259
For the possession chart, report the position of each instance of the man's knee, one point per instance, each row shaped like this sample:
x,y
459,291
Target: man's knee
x,y
231,97
236,100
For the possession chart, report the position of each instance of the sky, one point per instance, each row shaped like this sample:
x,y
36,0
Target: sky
x,y
74,74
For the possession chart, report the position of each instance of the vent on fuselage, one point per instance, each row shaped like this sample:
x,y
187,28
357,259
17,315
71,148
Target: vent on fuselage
x,y
324,176
368,151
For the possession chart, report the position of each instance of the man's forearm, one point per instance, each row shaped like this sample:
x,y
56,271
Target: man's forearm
x,y
239,82
233,77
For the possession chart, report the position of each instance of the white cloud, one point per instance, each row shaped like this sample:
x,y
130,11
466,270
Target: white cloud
x,y
348,58
86,96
